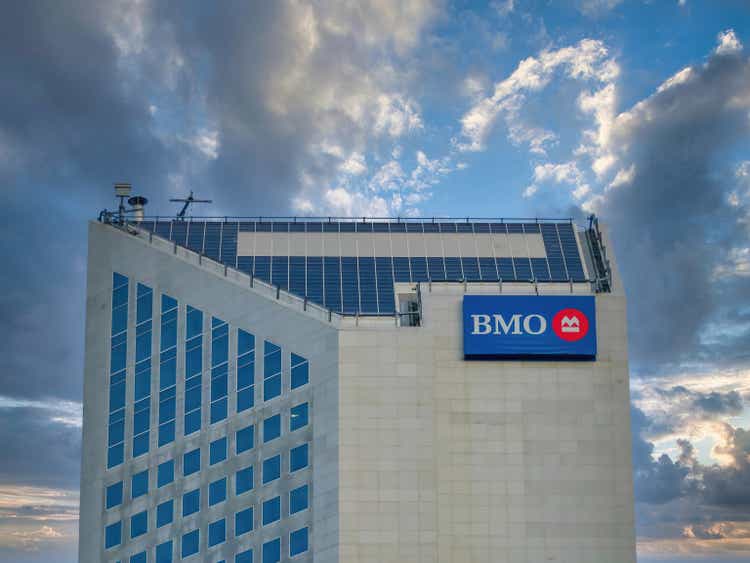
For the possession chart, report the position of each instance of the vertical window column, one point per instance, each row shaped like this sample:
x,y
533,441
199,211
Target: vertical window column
x,y
271,370
193,369
245,370
118,359
167,370
219,369
142,390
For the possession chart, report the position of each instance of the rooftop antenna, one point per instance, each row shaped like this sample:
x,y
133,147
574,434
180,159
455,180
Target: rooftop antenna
x,y
187,201
137,204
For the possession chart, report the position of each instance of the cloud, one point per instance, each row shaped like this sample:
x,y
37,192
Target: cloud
x,y
657,176
587,61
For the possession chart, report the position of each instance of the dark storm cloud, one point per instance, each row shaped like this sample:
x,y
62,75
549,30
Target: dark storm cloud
x,y
675,494
655,481
38,451
698,404
70,124
673,227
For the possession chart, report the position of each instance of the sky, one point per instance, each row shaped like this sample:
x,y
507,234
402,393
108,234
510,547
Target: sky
x,y
636,110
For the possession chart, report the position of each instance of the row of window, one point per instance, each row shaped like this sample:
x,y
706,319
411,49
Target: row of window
x,y
299,458
299,501
219,371
299,543
191,461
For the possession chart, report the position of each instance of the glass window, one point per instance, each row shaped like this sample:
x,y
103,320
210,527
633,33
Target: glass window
x,y
164,552
271,510
191,462
218,452
190,543
217,491
298,458
243,481
243,521
138,557
244,557
272,428
138,524
139,484
164,513
298,499
114,494
245,439
272,551
217,532
297,542
298,417
165,473
113,535
191,502
271,371
271,469
300,371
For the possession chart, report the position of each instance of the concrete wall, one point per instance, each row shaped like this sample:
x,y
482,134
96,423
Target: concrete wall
x,y
112,250
449,461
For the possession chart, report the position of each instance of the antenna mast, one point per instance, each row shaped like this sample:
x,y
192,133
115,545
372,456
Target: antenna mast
x,y
187,201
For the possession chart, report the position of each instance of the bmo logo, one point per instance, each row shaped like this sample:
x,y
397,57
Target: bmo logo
x,y
570,324
529,327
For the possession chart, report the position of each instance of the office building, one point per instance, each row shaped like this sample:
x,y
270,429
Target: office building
x,y
355,391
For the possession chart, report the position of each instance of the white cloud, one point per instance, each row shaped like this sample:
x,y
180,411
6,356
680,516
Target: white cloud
x,y
589,60
728,43
354,165
68,413
388,177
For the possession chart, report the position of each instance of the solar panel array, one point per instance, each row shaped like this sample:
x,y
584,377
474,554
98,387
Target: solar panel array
x,y
365,284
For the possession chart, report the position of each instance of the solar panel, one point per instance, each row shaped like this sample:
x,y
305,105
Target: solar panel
x,y
365,285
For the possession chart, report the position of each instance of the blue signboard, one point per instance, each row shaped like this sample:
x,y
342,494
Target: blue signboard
x,y
529,327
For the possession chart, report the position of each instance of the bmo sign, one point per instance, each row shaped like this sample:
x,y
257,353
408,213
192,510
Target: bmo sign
x,y
529,327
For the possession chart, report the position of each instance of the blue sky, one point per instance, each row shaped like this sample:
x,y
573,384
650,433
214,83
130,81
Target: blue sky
x,y
637,110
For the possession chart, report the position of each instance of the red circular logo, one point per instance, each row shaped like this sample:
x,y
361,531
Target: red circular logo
x,y
570,324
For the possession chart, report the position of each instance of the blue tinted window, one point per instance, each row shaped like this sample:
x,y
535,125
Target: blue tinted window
x,y
245,439
164,552
113,535
217,532
298,542
114,494
191,462
299,417
217,492
271,371
138,557
271,510
165,473
300,371
271,469
272,428
272,551
191,502
138,524
243,480
298,457
190,543
164,513
244,557
243,521
139,484
218,452
298,499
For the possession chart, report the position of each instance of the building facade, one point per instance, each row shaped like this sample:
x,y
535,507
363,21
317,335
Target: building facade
x,y
275,390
